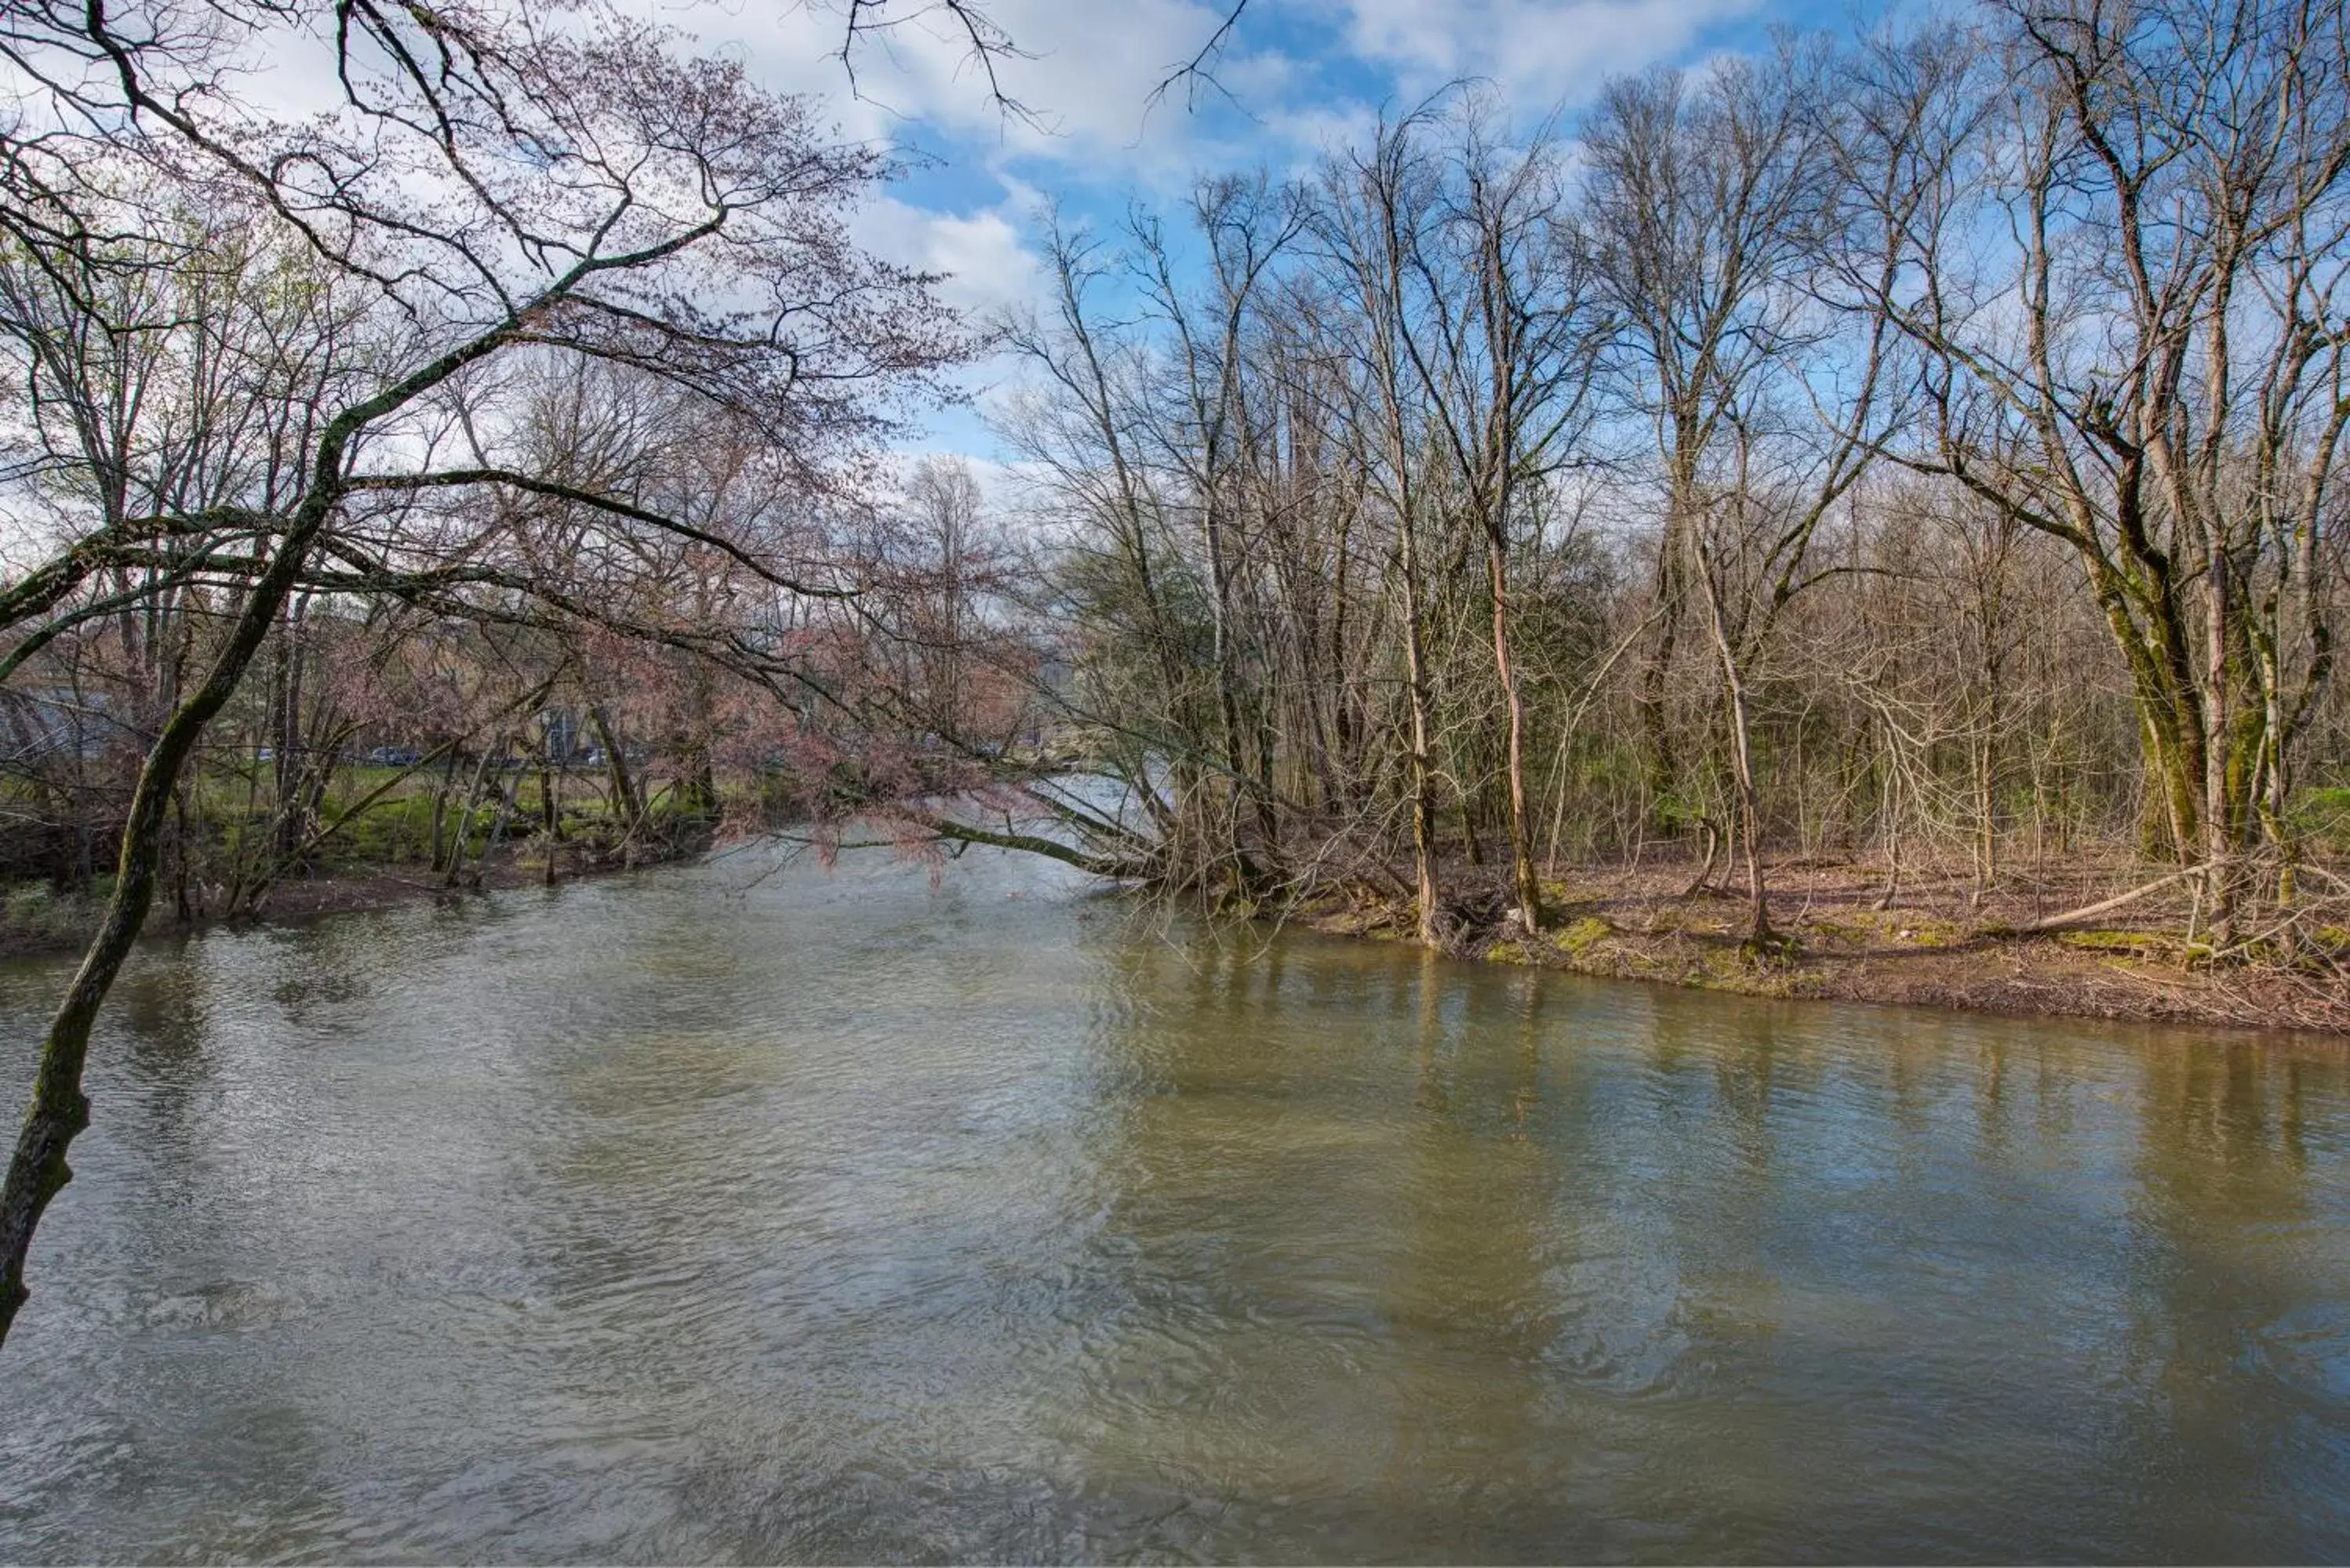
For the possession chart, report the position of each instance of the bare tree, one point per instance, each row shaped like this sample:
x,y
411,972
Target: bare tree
x,y
2146,359
494,184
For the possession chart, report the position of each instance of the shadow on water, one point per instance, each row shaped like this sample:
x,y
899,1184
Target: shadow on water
x,y
701,1215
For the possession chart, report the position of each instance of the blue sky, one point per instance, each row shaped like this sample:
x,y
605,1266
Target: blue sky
x,y
1297,75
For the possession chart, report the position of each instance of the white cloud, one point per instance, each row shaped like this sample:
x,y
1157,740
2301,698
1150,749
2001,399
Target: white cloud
x,y
1087,77
989,269
1314,128
1541,53
984,254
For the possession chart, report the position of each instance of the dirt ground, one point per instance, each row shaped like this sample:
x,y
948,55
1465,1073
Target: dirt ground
x,y
1934,943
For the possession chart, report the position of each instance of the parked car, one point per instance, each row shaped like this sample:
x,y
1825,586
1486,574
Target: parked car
x,y
394,757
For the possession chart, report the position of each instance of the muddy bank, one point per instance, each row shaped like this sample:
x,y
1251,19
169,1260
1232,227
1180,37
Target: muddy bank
x,y
37,923
1933,944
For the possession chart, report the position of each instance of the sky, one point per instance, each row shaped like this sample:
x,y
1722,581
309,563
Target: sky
x,y
1296,77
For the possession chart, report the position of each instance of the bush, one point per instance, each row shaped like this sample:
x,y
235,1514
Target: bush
x,y
2322,818
40,914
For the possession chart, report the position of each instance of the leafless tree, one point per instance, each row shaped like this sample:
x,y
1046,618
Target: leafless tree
x,y
491,185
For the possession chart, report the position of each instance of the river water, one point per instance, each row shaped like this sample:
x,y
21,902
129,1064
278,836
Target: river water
x,y
753,1213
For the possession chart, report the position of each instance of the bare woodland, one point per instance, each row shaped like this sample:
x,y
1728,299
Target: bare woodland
x,y
1914,452
1919,447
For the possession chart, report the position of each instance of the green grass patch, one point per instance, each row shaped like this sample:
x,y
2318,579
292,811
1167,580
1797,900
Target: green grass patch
x,y
39,912
2130,944
1926,931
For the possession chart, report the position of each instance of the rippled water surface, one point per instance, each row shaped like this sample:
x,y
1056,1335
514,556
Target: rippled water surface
x,y
686,1217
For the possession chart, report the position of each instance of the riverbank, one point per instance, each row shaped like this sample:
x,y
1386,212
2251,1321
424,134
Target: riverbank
x,y
36,922
1933,944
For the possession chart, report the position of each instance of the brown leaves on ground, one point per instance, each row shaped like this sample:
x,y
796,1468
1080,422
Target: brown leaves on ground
x,y
1934,942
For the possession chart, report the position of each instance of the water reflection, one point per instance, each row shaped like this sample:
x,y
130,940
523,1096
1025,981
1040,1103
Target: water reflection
x,y
830,1217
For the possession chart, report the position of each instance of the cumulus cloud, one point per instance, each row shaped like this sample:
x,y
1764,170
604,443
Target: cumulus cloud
x,y
1541,53
1298,78
983,254
1086,73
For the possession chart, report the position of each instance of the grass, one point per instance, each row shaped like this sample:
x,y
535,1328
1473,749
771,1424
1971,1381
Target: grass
x,y
1868,928
39,912
2131,944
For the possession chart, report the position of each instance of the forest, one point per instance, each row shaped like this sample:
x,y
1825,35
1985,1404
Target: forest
x,y
1913,453
1908,457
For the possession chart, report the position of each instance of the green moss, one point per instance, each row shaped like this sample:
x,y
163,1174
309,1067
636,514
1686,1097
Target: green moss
x,y
1578,939
1735,969
1508,953
1925,931
2138,944
1910,927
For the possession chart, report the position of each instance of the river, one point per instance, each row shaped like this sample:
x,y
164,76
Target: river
x,y
746,1212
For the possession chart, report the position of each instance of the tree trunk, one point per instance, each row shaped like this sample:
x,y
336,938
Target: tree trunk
x,y
548,812
38,1170
1522,851
2218,814
1423,789
1758,906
